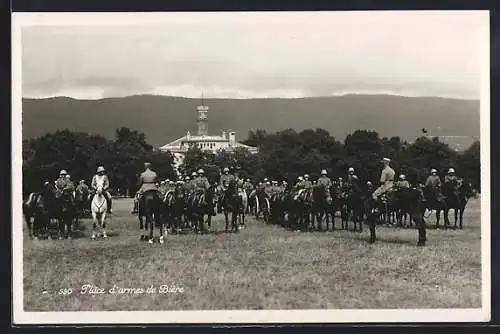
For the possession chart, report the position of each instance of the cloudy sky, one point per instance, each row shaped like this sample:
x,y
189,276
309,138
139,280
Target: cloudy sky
x,y
244,55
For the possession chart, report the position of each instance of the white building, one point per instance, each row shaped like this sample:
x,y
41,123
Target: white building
x,y
224,142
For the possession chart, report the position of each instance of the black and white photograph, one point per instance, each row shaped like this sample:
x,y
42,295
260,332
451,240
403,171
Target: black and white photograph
x,y
251,167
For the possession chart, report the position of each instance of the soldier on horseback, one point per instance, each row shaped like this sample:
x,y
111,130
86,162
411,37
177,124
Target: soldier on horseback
x,y
147,181
386,179
433,185
201,183
451,177
101,179
326,183
63,184
402,183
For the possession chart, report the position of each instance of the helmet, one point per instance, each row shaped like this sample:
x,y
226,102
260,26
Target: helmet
x,y
46,183
180,182
162,182
275,182
402,176
301,178
350,170
194,174
268,183
284,182
369,183
188,178
226,169
265,179
451,171
147,164
172,182
386,160
82,181
201,171
323,172
100,169
306,176
433,170
63,172
167,180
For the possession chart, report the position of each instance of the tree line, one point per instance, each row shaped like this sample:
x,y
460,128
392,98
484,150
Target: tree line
x,y
283,155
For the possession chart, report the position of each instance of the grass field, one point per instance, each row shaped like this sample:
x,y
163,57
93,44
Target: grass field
x,y
263,267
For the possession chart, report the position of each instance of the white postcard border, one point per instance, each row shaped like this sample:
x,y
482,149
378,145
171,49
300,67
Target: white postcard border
x,y
20,317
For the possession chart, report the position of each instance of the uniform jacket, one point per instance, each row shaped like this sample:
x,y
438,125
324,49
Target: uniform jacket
x,y
188,186
325,181
83,188
307,184
387,175
226,179
63,184
201,182
403,184
433,181
450,178
147,180
100,179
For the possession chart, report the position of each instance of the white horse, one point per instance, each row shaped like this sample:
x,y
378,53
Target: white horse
x,y
99,207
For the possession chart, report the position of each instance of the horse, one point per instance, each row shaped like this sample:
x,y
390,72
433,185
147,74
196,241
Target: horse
x,y
204,203
232,203
352,203
321,204
66,212
175,206
37,207
263,205
434,200
253,203
149,206
457,197
411,200
303,207
99,207
244,202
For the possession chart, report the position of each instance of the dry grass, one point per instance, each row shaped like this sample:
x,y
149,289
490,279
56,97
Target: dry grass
x,y
263,267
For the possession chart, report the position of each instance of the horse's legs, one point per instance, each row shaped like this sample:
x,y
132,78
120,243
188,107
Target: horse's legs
x,y
420,224
227,220
103,224
94,225
461,217
456,216
438,216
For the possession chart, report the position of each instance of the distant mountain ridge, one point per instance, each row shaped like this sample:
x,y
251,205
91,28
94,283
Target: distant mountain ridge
x,y
165,118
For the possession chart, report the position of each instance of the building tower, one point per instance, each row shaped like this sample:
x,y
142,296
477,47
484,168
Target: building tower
x,y
202,119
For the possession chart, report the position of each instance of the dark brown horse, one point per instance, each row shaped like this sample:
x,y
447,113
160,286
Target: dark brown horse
x,y
409,199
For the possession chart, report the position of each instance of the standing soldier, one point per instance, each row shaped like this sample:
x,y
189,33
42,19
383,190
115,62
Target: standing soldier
x,y
101,179
386,179
188,186
325,181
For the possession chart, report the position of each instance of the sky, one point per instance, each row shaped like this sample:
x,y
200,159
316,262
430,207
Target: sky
x,y
248,55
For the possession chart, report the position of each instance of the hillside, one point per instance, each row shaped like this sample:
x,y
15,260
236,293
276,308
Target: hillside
x,y
165,118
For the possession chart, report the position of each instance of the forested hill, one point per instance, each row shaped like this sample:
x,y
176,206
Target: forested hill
x,y
164,118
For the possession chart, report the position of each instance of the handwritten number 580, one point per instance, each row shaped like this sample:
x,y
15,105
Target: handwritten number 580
x,y
65,292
